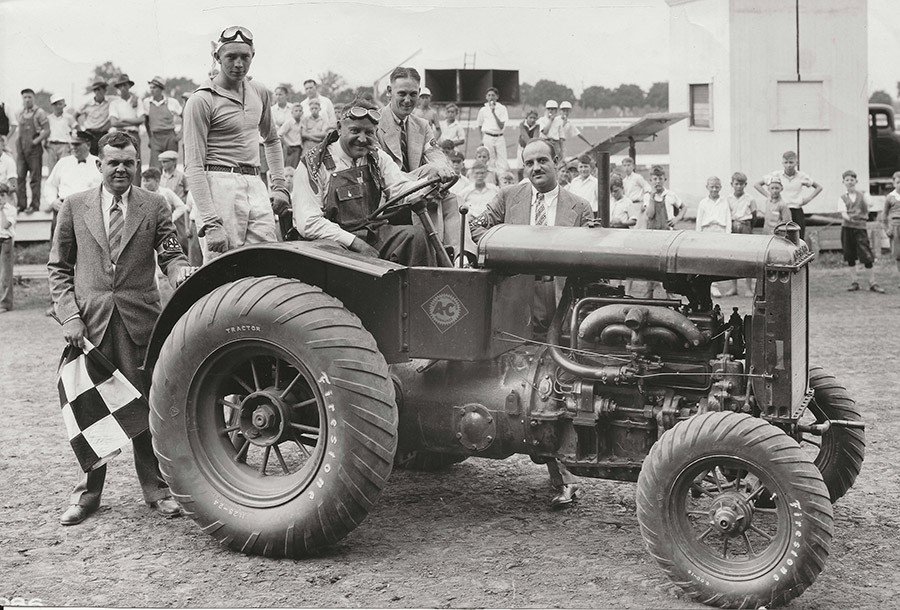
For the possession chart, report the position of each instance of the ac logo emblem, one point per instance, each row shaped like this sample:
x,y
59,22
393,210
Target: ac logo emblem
x,y
445,309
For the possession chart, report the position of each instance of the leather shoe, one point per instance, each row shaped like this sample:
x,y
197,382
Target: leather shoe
x,y
167,507
568,494
75,514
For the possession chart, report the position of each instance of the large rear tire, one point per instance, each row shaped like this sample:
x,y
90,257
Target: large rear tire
x,y
697,498
841,450
273,417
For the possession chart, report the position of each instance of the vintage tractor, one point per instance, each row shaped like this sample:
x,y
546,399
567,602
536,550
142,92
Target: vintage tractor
x,y
289,379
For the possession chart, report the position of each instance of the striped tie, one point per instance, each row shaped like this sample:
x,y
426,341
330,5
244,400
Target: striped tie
x,y
403,146
540,212
116,222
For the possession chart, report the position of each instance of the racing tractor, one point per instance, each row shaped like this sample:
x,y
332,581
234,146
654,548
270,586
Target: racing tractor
x,y
289,379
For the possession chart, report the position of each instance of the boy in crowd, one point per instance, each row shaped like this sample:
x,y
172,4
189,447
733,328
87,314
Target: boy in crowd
x,y
483,156
891,218
458,162
180,218
743,213
507,179
7,165
291,134
529,129
793,182
714,215
777,211
621,213
425,111
479,193
314,126
635,187
854,208
8,211
551,126
661,210
584,184
452,130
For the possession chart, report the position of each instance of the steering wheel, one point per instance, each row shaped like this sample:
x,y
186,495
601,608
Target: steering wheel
x,y
398,201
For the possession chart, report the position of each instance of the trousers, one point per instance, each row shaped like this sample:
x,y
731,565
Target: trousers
x,y
29,163
7,259
242,203
497,147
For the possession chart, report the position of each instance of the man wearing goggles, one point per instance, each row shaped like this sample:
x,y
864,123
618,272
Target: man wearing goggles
x,y
223,122
411,143
342,180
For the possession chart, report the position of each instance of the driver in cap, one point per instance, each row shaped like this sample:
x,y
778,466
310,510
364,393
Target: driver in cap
x,y
341,181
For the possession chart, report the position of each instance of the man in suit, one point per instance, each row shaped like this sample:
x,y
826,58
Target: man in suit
x,y
410,141
103,283
540,201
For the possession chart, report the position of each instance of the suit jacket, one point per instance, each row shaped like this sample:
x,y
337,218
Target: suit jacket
x,y
84,281
421,145
512,205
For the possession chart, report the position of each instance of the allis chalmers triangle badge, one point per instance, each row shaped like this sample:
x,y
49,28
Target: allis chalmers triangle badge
x,y
445,309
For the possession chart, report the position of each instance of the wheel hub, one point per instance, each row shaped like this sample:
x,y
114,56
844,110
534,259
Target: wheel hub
x,y
263,417
731,514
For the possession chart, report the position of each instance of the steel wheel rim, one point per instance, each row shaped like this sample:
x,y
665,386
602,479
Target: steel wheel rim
x,y
226,395
745,556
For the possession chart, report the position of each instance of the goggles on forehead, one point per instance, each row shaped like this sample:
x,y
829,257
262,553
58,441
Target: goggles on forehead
x,y
358,112
234,32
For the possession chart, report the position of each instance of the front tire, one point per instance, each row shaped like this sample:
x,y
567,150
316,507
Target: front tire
x,y
273,417
697,498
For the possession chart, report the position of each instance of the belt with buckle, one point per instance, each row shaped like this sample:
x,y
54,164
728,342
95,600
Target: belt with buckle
x,y
250,170
493,135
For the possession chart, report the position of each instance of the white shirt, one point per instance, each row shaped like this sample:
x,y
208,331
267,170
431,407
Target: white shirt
x,y
452,131
586,188
742,208
106,201
550,200
308,216
792,186
122,109
551,128
280,115
170,102
61,127
635,186
476,199
714,215
69,177
570,130
7,167
177,206
486,121
8,212
327,110
622,212
461,184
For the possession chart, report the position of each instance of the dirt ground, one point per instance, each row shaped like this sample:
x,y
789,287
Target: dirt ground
x,y
478,535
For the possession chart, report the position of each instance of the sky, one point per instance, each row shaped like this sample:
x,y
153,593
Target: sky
x,y
55,44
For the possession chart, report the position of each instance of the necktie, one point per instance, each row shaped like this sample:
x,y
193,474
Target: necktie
x,y
403,150
116,222
540,212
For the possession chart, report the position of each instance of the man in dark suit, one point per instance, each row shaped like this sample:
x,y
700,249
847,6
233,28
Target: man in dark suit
x,y
103,284
410,141
540,201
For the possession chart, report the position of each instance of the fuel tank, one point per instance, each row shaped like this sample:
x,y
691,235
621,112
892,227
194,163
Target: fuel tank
x,y
619,253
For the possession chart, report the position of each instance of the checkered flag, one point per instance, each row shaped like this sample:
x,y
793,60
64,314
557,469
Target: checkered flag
x,y
100,407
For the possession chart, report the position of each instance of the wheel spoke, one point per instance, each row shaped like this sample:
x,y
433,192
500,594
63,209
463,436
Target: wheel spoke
x,y
303,448
242,452
304,428
701,490
277,373
703,536
265,460
227,403
306,403
715,477
229,429
281,459
765,535
748,546
291,385
700,513
255,374
756,493
243,384
725,547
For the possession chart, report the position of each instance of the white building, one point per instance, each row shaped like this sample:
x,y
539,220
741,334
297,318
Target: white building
x,y
760,77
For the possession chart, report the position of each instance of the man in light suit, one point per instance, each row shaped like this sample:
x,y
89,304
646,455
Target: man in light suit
x,y
410,141
540,201
103,282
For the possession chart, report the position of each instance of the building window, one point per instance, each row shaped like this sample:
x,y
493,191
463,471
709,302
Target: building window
x,y
701,106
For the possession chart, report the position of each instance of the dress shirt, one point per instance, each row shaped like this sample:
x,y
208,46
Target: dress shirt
x,y
96,114
486,121
478,199
176,205
7,166
550,200
291,132
308,216
106,201
69,177
176,182
452,131
714,215
586,188
622,211
8,212
635,186
553,126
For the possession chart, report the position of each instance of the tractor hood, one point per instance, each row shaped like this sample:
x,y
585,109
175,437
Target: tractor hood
x,y
624,253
